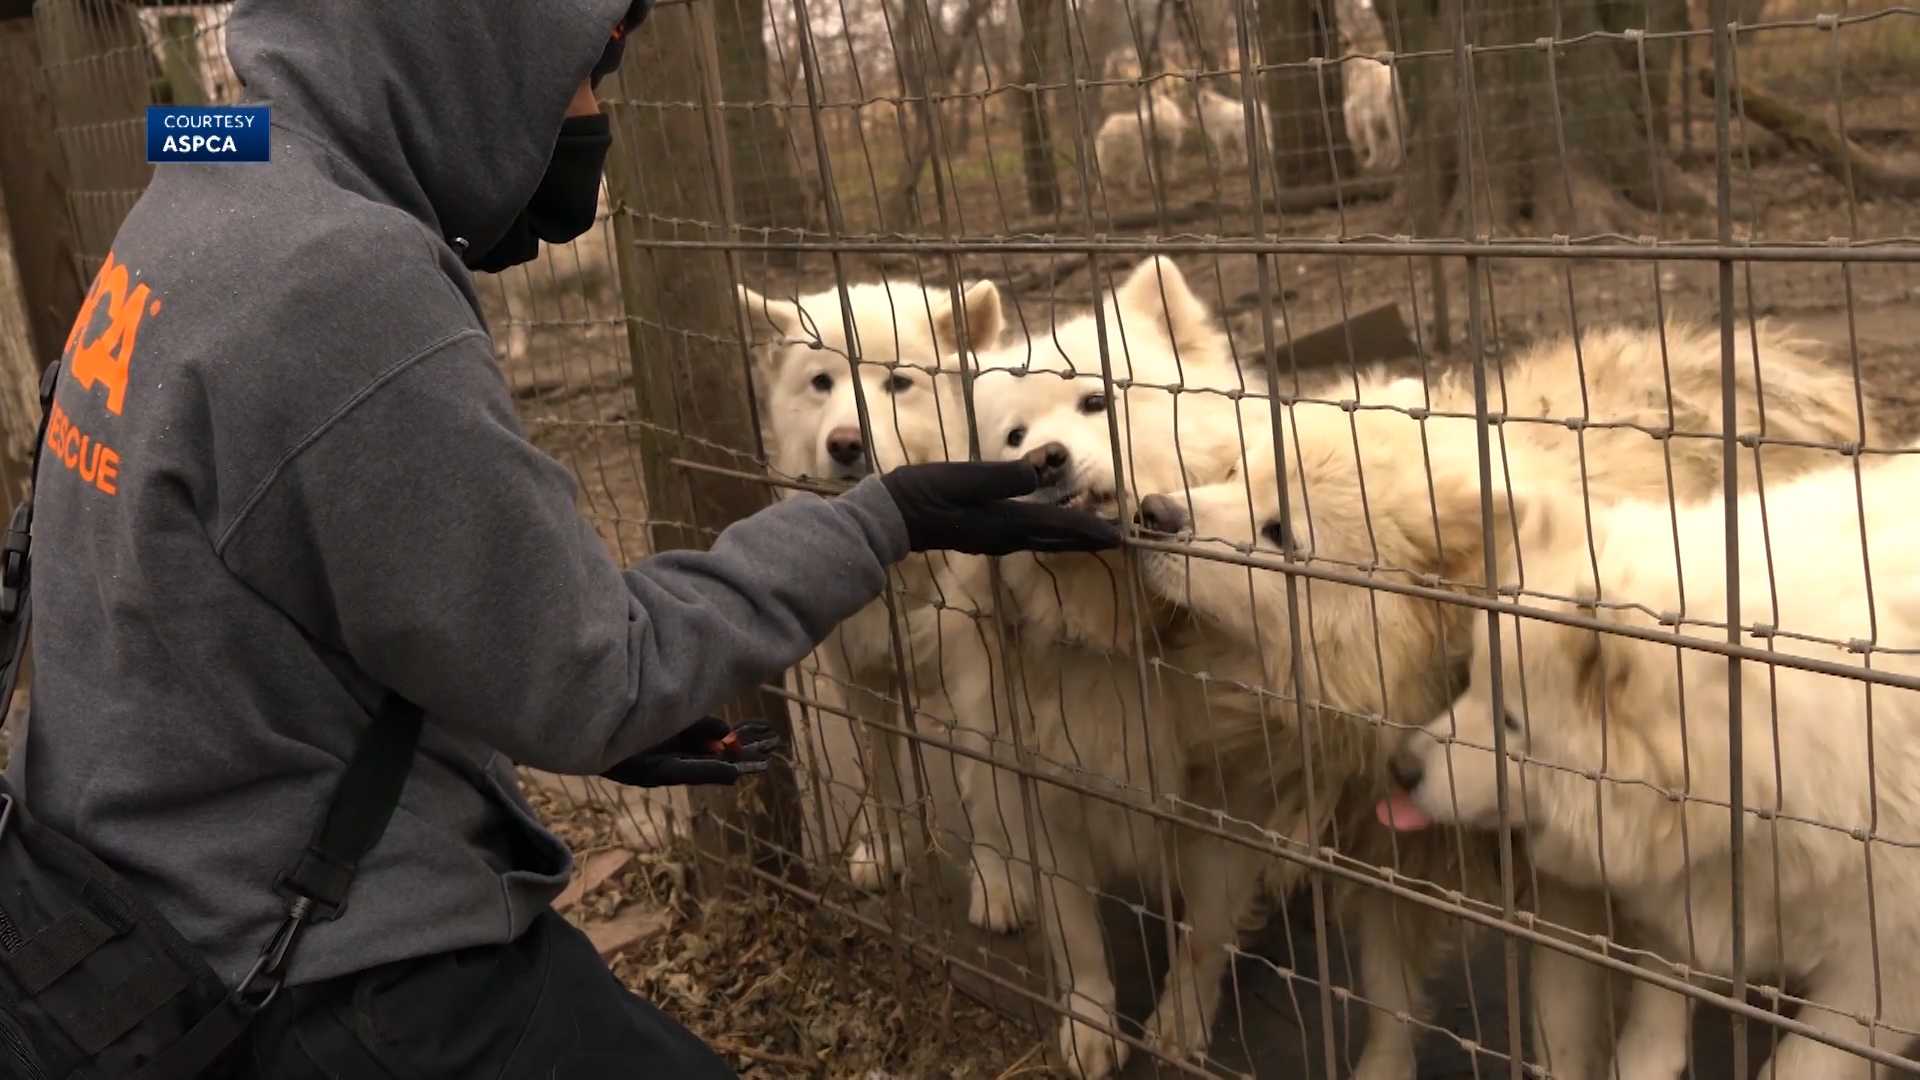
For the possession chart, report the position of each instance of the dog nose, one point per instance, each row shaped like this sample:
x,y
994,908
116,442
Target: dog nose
x,y
1050,461
844,445
1406,772
1161,514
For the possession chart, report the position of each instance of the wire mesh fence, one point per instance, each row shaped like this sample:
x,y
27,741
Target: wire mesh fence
x,y
1506,398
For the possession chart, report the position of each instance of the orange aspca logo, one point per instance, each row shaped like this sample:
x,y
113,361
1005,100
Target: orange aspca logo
x,y
97,359
104,359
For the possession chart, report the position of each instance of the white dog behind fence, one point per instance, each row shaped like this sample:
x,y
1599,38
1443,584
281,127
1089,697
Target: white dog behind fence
x,y
1223,119
907,340
1136,145
1361,498
1094,721
1601,728
1375,114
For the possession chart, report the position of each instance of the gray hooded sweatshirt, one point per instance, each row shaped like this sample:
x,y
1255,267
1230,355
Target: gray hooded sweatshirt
x,y
284,473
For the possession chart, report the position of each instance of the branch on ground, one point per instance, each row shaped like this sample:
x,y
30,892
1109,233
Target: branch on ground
x,y
1810,136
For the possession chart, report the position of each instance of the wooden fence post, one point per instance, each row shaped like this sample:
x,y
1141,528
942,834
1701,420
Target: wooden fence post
x,y
693,395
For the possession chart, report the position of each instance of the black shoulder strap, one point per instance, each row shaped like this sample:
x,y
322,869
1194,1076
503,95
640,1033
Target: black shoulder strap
x,y
316,885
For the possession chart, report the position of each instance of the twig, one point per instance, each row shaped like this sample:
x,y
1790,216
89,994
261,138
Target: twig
x,y
725,1046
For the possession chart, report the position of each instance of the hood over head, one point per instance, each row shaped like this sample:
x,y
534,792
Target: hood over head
x,y
450,108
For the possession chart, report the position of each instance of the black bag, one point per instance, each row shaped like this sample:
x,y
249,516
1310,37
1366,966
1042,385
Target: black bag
x,y
94,984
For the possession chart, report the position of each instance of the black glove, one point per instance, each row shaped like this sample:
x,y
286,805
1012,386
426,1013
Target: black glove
x,y
708,752
970,506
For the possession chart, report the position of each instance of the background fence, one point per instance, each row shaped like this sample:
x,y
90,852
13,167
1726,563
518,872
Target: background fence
x,y
1113,755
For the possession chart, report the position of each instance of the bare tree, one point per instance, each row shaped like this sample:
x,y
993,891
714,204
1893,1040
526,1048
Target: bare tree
x,y
923,84
1043,48
693,398
1564,140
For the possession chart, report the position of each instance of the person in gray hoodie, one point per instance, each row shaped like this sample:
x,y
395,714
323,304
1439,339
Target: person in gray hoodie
x,y
285,479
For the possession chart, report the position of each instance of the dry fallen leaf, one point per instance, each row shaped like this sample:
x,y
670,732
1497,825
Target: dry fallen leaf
x,y
634,924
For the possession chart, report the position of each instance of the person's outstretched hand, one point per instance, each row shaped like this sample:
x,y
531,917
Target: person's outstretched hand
x,y
708,752
972,506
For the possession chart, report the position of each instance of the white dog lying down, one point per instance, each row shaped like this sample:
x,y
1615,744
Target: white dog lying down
x,y
1830,768
915,413
1360,502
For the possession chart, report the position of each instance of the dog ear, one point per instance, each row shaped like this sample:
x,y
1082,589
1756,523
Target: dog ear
x,y
980,304
1157,293
1525,522
771,322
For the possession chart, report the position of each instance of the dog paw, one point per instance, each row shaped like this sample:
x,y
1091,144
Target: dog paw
x,y
875,868
1178,1032
1090,1053
1001,897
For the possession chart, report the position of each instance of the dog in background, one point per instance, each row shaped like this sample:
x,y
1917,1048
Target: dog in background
x,y
1375,114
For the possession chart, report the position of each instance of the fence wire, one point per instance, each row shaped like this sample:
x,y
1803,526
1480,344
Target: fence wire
x,y
1508,402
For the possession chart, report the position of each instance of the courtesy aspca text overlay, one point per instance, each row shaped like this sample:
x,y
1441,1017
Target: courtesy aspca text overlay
x,y
207,133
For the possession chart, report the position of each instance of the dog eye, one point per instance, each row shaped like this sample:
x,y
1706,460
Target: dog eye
x,y
1093,403
899,384
1016,436
1512,721
823,382
1276,534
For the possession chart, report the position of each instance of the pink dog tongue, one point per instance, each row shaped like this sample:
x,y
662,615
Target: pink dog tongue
x,y
1397,811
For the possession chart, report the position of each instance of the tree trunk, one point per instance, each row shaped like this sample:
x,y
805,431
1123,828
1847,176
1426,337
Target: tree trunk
x,y
1662,54
923,87
1561,143
767,187
1040,53
180,61
1309,137
692,395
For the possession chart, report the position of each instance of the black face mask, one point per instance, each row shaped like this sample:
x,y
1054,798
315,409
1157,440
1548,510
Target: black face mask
x,y
564,206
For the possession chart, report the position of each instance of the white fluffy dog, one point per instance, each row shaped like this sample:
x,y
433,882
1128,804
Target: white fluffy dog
x,y
1360,501
1135,144
1171,408
915,413
1618,768
1376,115
1224,121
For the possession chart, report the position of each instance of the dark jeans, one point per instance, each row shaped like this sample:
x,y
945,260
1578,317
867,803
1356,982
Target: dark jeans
x,y
544,1005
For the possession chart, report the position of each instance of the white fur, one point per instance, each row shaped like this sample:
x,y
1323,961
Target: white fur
x,y
1831,758
907,343
1224,120
1134,145
1360,502
1092,721
1376,115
